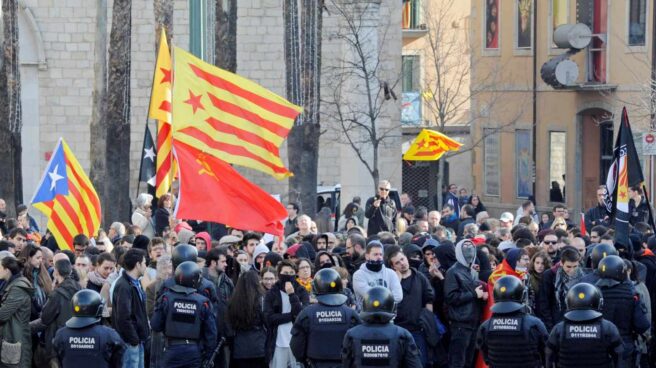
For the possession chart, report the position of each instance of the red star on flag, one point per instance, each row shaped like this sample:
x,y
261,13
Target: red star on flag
x,y
194,101
167,75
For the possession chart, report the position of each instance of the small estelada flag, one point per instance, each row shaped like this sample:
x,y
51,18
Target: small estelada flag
x,y
430,146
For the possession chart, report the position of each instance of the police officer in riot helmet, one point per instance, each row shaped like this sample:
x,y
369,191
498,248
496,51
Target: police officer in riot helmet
x,y
509,327
377,342
319,329
584,338
84,342
622,305
598,252
186,319
183,253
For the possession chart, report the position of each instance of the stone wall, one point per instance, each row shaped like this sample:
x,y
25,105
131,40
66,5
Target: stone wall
x,y
65,83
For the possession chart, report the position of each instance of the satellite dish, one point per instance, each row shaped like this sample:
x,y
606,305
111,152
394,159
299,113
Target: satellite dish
x,y
572,36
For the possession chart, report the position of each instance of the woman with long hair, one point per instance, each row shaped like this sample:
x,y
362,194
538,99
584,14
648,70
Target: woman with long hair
x,y
15,309
36,273
475,201
349,213
268,277
540,262
246,323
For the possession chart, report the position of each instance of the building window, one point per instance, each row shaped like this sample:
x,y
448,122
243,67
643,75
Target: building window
x,y
594,14
559,15
201,29
524,30
557,166
523,163
411,90
491,162
637,22
491,24
411,14
411,74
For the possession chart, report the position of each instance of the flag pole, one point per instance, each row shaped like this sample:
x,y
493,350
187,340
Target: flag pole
x,y
651,215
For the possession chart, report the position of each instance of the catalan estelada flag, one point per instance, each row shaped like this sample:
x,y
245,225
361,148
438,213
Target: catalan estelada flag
x,y
160,109
430,146
228,116
67,198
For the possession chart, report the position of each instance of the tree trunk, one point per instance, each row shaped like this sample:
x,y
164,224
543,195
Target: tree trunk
x,y
11,181
303,88
440,181
226,35
118,114
98,132
163,18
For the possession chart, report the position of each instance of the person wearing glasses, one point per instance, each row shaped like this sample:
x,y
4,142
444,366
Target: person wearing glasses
x,y
380,210
549,244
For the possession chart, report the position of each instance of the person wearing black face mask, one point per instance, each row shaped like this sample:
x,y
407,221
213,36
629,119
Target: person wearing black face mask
x,y
374,273
417,295
282,304
323,260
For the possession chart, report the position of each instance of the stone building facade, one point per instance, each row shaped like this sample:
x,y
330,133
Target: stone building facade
x,y
57,41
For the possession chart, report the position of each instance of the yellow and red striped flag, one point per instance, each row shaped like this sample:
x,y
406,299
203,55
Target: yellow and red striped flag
x,y
67,198
430,145
230,117
160,109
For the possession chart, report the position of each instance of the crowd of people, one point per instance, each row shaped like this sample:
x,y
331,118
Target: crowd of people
x,y
381,286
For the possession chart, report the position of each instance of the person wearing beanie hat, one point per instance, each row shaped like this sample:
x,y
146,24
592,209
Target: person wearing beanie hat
x,y
414,255
259,253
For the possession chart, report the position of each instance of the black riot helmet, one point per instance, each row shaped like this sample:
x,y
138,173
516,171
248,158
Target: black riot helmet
x,y
584,301
182,253
509,293
327,285
378,306
612,267
87,309
188,274
600,251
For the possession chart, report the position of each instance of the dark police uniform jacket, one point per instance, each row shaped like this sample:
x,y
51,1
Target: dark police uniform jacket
x,y
91,346
183,314
594,343
318,333
379,345
499,337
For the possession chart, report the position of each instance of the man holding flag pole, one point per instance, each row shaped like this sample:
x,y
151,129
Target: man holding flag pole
x,y
624,173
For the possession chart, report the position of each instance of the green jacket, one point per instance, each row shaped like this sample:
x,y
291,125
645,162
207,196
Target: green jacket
x,y
15,307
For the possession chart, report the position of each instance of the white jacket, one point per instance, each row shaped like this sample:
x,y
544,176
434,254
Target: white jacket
x,y
364,279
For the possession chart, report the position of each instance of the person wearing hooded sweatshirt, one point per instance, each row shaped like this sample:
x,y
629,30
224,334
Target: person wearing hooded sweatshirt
x,y
515,264
374,273
465,296
203,242
259,253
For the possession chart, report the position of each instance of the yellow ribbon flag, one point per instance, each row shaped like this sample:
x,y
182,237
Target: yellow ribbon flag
x,y
430,146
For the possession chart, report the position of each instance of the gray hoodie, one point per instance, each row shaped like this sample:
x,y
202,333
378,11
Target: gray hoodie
x,y
365,279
